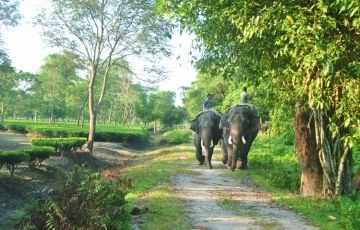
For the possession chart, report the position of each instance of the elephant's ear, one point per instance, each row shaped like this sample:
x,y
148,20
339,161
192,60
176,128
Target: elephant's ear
x,y
224,122
194,125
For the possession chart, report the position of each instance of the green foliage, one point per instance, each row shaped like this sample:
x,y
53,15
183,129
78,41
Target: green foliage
x,y
37,154
177,136
298,52
338,213
103,132
12,159
356,156
195,95
274,167
20,128
9,13
277,163
83,200
60,144
282,121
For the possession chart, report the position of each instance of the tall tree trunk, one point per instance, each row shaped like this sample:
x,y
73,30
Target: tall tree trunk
x,y
81,111
35,115
2,112
52,104
307,153
82,119
92,110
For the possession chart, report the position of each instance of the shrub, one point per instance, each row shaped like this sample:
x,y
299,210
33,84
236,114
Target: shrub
x,y
12,159
16,127
37,154
177,136
103,133
84,200
60,144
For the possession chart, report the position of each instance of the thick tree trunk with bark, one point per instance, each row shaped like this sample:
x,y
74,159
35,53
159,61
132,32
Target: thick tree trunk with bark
x,y
307,153
325,160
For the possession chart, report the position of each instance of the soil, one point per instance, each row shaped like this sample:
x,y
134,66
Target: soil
x,y
205,190
202,191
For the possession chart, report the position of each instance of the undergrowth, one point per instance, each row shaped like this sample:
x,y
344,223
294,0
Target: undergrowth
x,y
274,167
83,200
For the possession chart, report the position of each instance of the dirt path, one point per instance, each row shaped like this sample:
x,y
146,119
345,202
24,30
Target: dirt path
x,y
204,190
9,140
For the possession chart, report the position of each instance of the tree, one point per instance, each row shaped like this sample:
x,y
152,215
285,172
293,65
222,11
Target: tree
x,y
9,14
143,107
205,83
308,51
8,83
164,102
56,74
101,32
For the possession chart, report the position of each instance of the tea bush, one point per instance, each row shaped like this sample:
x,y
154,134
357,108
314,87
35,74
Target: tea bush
x,y
103,132
177,136
11,159
60,144
37,154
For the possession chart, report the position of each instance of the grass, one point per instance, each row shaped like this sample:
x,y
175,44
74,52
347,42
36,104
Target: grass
x,y
152,189
274,167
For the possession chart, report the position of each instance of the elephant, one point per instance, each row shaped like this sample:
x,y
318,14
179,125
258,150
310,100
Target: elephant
x,y
240,126
207,135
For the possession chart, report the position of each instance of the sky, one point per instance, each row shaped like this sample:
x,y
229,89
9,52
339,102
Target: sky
x,y
27,50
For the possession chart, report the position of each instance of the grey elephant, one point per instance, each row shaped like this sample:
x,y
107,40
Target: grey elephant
x,y
240,126
207,135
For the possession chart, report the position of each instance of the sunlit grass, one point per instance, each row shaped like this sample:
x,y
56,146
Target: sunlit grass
x,y
152,188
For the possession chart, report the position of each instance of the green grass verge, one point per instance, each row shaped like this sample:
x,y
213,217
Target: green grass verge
x,y
152,189
274,167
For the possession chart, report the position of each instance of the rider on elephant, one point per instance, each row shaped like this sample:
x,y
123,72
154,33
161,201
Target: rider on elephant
x,y
245,98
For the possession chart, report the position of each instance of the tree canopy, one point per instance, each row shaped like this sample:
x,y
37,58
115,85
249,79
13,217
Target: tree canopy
x,y
302,52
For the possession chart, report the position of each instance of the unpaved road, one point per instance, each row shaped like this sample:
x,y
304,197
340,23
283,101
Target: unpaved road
x,y
204,190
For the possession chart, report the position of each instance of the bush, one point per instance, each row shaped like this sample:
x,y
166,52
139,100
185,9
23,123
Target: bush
x,y
84,201
60,144
106,133
12,159
37,154
177,136
16,127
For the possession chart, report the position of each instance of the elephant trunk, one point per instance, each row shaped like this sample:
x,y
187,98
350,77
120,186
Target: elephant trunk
x,y
207,144
239,141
